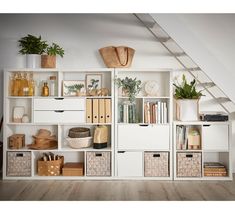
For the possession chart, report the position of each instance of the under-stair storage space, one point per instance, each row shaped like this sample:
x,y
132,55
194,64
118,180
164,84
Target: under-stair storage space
x,y
143,136
156,164
129,164
189,164
215,137
98,163
19,164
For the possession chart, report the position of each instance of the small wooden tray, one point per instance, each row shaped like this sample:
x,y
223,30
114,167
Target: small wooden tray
x,y
73,169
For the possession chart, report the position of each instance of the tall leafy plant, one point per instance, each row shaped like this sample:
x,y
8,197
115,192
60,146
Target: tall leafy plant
x,y
130,86
187,90
31,44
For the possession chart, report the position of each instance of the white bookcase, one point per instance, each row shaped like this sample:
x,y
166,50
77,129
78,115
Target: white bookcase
x,y
134,146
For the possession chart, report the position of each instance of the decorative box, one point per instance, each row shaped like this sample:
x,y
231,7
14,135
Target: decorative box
x,y
98,164
73,169
189,164
16,141
156,164
18,163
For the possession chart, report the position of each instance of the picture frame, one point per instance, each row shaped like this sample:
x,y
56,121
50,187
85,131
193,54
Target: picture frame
x,y
93,81
74,88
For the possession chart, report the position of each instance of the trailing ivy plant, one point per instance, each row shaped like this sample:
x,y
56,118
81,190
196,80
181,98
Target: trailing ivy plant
x,y
54,50
187,90
130,86
31,44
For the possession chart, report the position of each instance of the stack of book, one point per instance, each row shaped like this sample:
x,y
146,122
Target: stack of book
x,y
127,113
155,112
181,137
214,169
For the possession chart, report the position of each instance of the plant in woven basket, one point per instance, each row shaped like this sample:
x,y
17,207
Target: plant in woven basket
x,y
54,50
187,90
130,86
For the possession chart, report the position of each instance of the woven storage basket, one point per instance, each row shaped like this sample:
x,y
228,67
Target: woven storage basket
x,y
98,164
156,164
79,132
189,164
77,143
18,163
50,168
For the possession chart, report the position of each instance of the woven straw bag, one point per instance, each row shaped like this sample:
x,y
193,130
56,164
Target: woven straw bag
x,y
117,57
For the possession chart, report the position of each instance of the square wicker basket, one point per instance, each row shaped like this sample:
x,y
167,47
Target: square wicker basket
x,y
50,168
189,164
156,164
98,164
18,163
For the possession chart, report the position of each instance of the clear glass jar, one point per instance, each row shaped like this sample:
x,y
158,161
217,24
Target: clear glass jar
x,y
52,85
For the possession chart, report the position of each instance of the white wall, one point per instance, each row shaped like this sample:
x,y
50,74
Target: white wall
x,y
82,35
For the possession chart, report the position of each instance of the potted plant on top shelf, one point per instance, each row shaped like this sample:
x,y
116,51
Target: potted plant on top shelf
x,y
32,47
48,60
187,100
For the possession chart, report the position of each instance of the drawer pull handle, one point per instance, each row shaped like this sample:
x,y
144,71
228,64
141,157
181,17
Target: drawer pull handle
x,y
206,125
59,98
20,155
121,151
59,111
144,125
189,156
98,155
156,155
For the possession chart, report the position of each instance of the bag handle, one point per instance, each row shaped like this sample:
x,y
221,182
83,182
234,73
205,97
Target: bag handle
x,y
118,55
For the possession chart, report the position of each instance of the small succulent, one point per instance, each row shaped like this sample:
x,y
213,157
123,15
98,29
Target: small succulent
x,y
187,90
131,86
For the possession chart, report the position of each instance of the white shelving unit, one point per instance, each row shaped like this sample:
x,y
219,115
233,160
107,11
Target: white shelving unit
x,y
134,140
41,111
215,147
131,145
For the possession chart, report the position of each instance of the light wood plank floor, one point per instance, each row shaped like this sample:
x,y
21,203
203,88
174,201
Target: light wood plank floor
x,y
117,190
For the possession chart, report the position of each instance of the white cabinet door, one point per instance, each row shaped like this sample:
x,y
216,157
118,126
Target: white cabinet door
x,y
59,116
59,104
215,137
130,164
135,136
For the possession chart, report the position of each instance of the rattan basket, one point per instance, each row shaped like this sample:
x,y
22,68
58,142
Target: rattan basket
x,y
79,132
77,143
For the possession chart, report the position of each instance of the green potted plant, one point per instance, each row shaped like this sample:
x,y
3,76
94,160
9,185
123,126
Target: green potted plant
x,y
48,60
75,88
32,47
130,87
187,100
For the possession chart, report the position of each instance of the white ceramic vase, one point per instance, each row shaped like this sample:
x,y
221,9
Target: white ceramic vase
x,y
33,61
187,109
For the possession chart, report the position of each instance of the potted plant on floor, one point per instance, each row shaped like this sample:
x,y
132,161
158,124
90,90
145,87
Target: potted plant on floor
x,y
48,60
187,100
32,47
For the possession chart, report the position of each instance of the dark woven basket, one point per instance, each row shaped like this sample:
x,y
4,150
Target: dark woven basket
x,y
79,132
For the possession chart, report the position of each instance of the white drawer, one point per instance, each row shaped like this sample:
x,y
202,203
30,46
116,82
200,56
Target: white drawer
x,y
215,137
134,136
59,116
59,104
130,164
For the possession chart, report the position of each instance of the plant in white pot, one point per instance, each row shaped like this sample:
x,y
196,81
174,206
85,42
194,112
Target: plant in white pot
x,y
187,100
48,60
32,47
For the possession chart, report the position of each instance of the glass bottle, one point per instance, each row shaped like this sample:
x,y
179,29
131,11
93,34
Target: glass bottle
x,y
16,84
31,85
52,85
45,90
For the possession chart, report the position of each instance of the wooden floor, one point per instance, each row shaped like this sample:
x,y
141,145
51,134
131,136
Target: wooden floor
x,y
117,190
